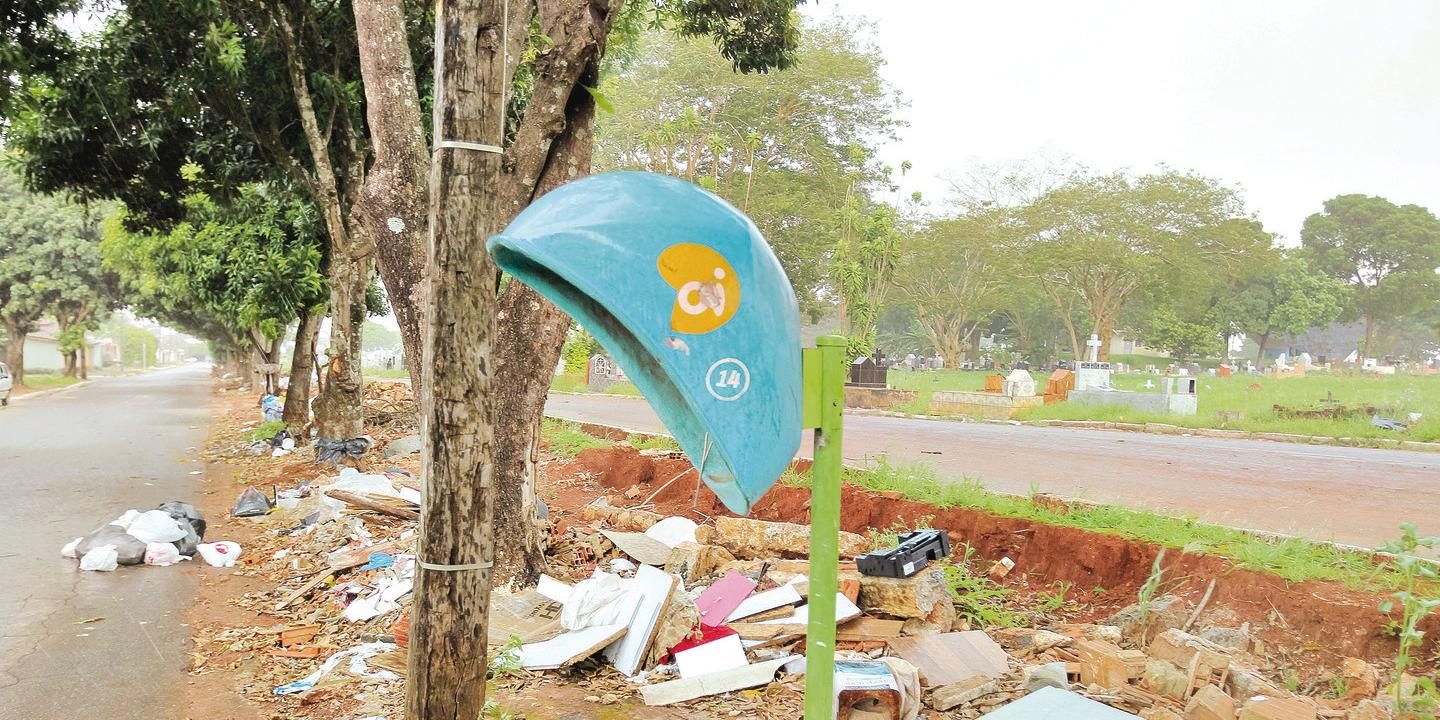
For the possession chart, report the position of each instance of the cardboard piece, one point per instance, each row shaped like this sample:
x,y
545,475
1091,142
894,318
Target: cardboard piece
x,y
768,600
723,597
715,656
1052,702
571,647
642,547
528,615
650,589
951,657
749,676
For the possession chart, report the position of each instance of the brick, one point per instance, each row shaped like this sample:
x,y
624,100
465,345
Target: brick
x,y
1182,648
1101,664
1263,708
1210,703
956,694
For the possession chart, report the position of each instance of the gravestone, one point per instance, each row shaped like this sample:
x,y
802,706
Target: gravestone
x,y
603,372
1304,361
1092,373
1018,383
869,372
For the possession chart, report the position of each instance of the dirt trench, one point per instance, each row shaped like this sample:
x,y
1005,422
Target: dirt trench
x,y
1311,624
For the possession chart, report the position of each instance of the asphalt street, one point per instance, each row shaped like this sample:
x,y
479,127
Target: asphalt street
x,y
72,461
1350,495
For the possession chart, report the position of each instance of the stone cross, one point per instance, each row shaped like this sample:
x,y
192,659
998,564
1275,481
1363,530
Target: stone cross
x,y
1094,343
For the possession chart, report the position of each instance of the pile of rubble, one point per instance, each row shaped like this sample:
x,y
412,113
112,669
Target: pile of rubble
x,y
640,608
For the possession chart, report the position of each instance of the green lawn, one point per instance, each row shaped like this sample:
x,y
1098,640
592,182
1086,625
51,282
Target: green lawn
x,y
391,373
576,384
35,382
1399,394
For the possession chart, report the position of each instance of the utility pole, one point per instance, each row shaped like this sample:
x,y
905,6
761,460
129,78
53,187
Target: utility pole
x,y
446,677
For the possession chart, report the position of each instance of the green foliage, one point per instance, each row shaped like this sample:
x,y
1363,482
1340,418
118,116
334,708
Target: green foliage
x,y
579,347
1151,585
653,442
266,430
978,599
506,662
566,440
1386,253
1181,337
1291,680
1048,602
379,337
1416,599
237,273
862,267
784,147
952,273
1287,298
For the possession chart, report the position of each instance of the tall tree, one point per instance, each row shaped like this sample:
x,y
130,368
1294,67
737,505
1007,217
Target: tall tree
x,y
1096,242
952,273
1387,253
44,239
785,147
1287,298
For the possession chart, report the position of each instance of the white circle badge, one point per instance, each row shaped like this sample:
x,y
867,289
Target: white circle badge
x,y
727,379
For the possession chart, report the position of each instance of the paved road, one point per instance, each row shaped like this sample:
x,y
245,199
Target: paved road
x,y
1349,495
71,461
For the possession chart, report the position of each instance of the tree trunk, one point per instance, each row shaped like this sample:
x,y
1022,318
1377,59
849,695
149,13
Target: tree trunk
x,y
84,357
15,351
446,677
338,411
302,364
531,333
1369,336
392,210
1260,356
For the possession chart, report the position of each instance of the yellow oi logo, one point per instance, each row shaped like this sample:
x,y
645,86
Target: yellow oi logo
x,y
707,292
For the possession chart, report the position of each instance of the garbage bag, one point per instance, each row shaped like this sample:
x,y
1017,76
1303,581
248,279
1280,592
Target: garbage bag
x,y
271,408
601,600
101,559
70,547
188,544
279,438
181,510
161,554
129,550
220,554
332,450
155,526
251,502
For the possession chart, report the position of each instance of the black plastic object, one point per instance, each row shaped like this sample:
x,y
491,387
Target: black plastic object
x,y
128,550
916,551
181,510
332,450
251,502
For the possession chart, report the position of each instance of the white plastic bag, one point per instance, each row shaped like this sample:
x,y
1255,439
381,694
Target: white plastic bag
x,y
220,554
69,549
358,483
601,600
155,526
101,559
125,519
161,554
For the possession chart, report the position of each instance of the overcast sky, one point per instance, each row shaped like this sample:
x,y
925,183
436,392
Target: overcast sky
x,y
1295,101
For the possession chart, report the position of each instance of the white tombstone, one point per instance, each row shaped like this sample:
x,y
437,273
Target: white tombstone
x,y
1092,373
1018,383
1305,361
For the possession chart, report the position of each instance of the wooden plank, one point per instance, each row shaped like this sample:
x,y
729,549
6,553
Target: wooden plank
x,y
642,547
865,629
569,648
949,658
368,504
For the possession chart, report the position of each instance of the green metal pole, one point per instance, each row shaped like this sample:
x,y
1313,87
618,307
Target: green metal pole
x,y
826,380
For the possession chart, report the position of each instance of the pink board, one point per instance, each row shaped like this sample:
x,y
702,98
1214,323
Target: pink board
x,y
721,599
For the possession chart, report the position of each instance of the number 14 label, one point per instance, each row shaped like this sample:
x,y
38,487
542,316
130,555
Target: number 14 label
x,y
727,379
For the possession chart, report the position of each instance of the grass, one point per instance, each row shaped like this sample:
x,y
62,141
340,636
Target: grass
x,y
385,372
266,430
567,440
1397,394
576,384
37,382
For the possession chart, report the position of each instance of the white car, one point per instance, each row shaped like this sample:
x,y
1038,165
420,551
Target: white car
x,y
5,382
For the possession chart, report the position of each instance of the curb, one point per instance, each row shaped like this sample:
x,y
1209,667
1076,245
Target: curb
x,y
1176,430
42,393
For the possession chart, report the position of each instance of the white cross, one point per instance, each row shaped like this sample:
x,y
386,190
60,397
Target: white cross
x,y
1094,343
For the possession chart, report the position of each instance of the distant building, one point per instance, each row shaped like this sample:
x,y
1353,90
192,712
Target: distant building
x,y
42,350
